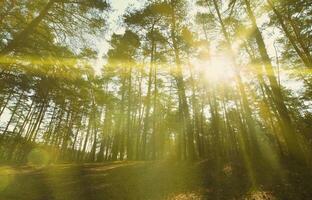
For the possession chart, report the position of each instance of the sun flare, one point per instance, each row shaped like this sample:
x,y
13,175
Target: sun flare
x,y
155,99
217,70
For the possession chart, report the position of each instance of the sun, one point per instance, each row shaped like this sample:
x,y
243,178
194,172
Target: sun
x,y
218,70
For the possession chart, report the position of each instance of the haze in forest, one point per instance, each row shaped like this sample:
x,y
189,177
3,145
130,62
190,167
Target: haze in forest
x,y
159,99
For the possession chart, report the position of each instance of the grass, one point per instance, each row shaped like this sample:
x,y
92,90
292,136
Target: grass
x,y
151,180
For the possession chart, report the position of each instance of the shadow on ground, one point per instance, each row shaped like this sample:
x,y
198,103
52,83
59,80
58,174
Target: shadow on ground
x,y
151,180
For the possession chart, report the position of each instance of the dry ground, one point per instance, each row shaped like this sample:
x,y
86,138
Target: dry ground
x,y
150,180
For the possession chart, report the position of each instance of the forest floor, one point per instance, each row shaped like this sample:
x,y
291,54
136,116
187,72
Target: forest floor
x,y
150,180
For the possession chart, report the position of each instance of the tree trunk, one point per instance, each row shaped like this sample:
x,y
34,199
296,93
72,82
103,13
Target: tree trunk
x,y
288,129
181,88
148,103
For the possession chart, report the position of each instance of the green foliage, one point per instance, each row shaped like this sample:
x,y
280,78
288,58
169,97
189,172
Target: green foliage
x,y
175,84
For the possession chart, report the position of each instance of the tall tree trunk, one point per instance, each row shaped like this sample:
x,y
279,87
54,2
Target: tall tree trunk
x,y
118,142
288,129
129,127
86,140
154,138
6,102
12,115
35,129
26,120
148,102
181,87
